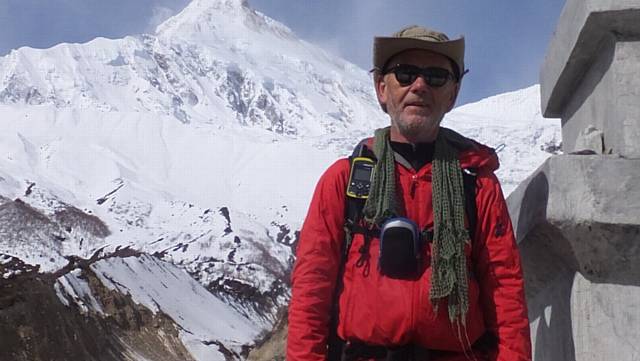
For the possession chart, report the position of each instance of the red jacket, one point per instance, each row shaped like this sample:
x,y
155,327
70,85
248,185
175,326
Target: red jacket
x,y
378,310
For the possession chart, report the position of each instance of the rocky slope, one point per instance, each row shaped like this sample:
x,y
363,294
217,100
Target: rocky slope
x,y
90,322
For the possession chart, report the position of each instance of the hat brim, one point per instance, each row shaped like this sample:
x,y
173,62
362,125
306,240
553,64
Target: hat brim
x,y
384,48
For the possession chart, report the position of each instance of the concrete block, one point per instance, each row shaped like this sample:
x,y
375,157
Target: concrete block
x,y
622,135
588,75
606,318
576,319
590,139
577,222
582,27
607,98
578,189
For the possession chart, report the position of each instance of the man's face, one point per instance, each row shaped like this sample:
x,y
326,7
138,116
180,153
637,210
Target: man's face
x,y
417,109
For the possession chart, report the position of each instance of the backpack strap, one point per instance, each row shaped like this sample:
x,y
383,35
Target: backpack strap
x,y
353,216
469,176
354,206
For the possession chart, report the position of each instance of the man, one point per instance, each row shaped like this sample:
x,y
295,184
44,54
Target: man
x,y
429,273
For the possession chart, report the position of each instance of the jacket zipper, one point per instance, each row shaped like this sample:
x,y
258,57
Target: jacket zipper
x,y
414,184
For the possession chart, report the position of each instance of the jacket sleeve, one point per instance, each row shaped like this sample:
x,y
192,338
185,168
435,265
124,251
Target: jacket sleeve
x,y
499,272
315,272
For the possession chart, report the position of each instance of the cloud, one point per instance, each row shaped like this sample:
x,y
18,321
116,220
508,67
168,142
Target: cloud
x,y
159,14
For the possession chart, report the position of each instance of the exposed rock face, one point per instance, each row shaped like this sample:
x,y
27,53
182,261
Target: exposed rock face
x,y
120,304
48,235
35,325
273,345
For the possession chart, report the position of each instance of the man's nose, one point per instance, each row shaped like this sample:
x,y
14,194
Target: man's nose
x,y
419,85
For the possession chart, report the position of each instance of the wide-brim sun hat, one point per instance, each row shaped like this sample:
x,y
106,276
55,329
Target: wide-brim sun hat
x,y
417,37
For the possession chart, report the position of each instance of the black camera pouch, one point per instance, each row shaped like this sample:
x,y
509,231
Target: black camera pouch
x,y
400,249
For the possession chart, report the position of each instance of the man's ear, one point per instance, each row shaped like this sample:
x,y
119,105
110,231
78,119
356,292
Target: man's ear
x,y
381,93
453,96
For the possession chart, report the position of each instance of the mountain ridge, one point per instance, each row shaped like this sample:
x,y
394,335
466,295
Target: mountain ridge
x,y
203,154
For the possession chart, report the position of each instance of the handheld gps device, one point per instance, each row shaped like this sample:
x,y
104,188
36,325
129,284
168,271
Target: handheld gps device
x,y
360,177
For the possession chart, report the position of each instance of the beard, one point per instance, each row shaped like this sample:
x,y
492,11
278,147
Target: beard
x,y
417,131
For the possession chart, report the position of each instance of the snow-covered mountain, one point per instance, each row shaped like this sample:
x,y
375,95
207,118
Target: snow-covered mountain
x,y
199,145
512,123
215,62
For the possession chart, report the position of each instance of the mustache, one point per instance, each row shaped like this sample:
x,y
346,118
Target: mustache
x,y
417,103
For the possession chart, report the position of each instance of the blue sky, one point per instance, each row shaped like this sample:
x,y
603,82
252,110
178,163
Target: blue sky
x,y
506,39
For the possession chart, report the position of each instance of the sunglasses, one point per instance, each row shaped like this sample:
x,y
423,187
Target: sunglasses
x,y
434,77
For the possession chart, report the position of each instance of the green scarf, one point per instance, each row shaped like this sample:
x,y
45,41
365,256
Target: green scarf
x,y
448,262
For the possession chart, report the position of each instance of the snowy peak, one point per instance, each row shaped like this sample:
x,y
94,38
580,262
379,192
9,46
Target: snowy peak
x,y
214,20
225,6
217,63
521,106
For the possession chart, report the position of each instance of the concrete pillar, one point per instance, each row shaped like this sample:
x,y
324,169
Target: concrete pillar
x,y
577,218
